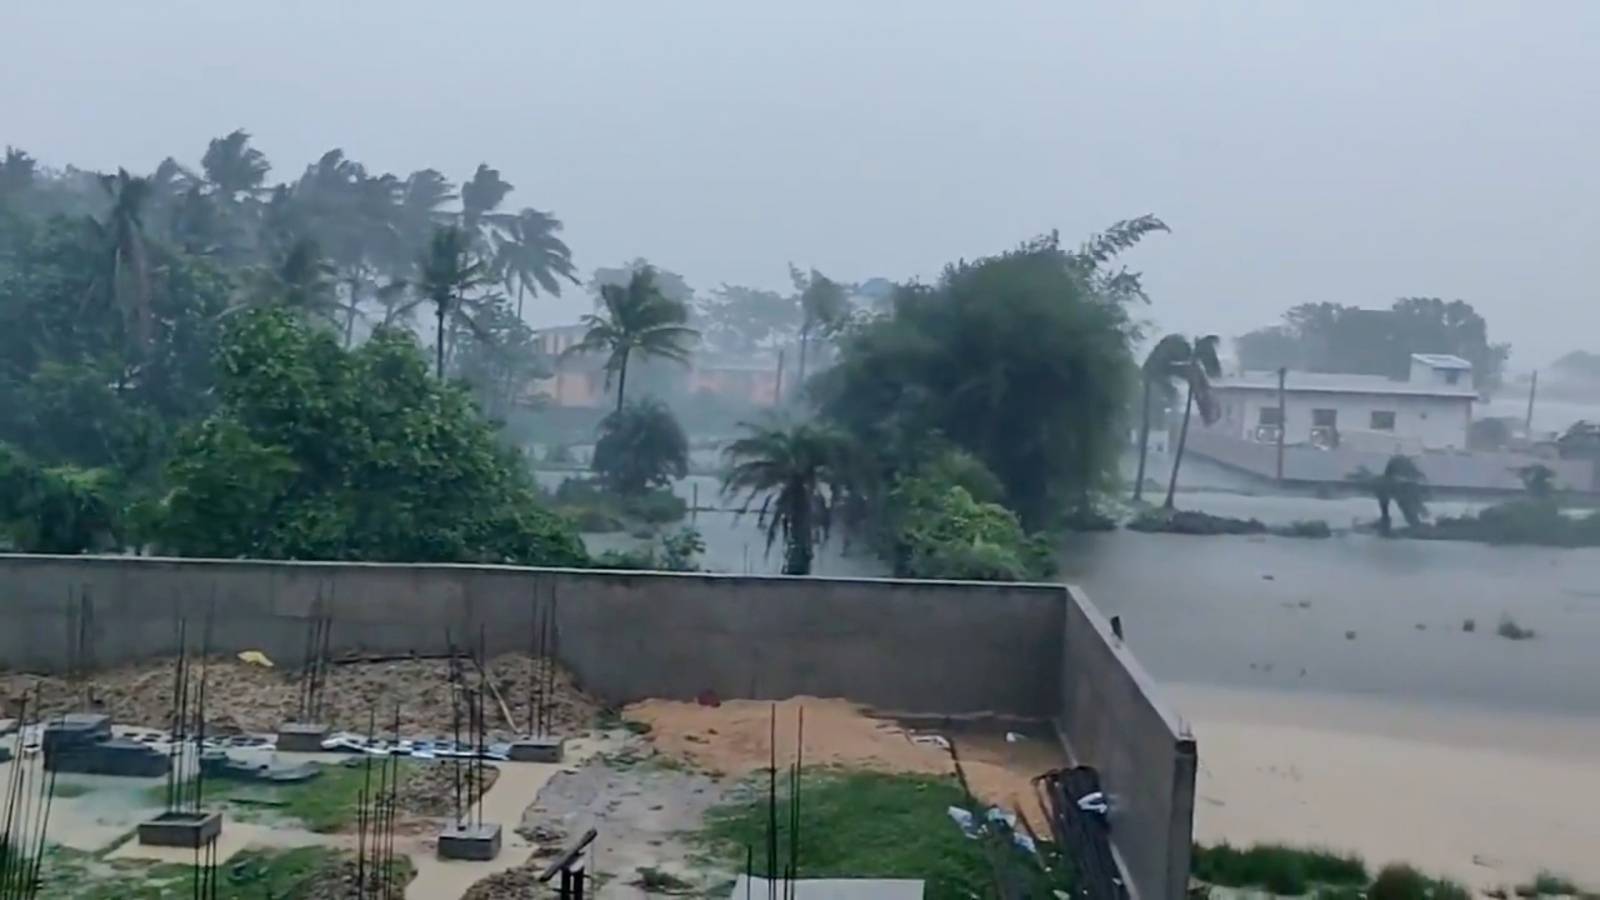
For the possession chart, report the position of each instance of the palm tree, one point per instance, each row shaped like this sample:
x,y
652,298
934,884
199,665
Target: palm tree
x,y
798,473
302,280
1196,364
530,256
480,197
823,306
123,231
1160,367
636,317
233,167
447,271
1402,484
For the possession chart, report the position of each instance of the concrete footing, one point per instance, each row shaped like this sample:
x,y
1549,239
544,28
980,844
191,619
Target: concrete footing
x,y
478,843
537,749
301,737
181,829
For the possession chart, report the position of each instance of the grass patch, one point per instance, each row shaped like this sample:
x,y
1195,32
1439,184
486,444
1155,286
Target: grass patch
x,y
66,790
1552,884
1403,882
327,803
870,825
253,874
1277,868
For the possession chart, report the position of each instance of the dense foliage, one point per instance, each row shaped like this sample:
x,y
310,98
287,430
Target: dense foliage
x,y
942,532
1022,359
317,452
793,475
1329,337
641,446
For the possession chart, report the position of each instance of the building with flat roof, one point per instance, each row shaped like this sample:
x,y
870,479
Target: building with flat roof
x,y
1429,410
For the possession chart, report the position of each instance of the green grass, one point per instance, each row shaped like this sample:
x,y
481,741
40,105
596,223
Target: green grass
x,y
326,803
1552,884
66,790
1402,882
252,875
1277,868
869,825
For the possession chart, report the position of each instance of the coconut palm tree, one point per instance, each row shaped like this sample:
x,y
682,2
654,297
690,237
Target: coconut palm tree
x,y
447,271
823,307
123,232
1401,484
480,197
797,472
233,167
303,280
1160,367
1196,364
636,318
530,257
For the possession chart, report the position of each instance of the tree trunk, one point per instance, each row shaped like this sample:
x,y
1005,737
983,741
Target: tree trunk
x,y
1183,438
350,315
622,380
520,288
797,559
438,344
1144,442
805,341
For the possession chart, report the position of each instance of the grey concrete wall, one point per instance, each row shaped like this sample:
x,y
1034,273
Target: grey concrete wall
x,y
939,648
944,648
1111,718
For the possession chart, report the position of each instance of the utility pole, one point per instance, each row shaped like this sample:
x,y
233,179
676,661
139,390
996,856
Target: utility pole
x,y
1283,420
777,389
1533,390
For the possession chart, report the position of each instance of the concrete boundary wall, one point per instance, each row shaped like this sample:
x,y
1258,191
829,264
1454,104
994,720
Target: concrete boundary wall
x,y
1112,719
922,647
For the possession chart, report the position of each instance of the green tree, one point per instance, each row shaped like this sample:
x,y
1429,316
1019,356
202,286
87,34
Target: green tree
x,y
1162,365
447,272
641,446
823,309
1196,364
233,167
1018,359
798,473
318,452
480,197
942,532
1401,484
128,275
531,257
636,318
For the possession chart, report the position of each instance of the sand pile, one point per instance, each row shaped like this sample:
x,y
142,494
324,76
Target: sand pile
x,y
735,739
241,696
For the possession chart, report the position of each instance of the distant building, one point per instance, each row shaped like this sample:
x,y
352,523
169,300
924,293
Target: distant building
x,y
1430,410
575,380
745,379
580,380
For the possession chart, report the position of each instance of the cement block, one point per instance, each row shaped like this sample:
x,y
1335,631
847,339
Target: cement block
x,y
478,843
181,829
537,749
75,730
117,756
301,737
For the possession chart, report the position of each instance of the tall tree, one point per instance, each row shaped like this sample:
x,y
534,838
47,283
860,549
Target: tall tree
x,y
636,318
447,272
480,197
823,307
1196,364
123,230
640,447
796,471
1401,484
1164,363
233,167
530,257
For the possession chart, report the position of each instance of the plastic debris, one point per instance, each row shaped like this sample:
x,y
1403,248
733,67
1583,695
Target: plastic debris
x,y
256,658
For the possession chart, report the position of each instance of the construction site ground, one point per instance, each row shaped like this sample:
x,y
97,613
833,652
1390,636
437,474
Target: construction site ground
x,y
645,777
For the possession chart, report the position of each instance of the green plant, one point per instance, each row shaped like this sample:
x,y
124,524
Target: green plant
x,y
641,446
1400,882
798,473
1277,868
1550,883
636,318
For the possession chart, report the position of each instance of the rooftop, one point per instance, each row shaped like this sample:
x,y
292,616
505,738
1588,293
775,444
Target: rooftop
x,y
1341,383
1441,361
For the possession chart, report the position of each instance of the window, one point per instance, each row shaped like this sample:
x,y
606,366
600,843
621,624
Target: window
x,y
1383,420
1451,376
1324,418
1269,415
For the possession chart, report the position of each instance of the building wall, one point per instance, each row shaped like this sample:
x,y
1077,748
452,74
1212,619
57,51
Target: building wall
x,y
1433,423
942,648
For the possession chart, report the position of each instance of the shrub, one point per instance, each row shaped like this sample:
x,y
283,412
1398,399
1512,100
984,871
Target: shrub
x,y
1182,521
1510,630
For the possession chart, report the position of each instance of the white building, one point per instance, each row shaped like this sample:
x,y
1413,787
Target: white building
x,y
1430,410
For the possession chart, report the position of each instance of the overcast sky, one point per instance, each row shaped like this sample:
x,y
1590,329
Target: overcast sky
x,y
1346,151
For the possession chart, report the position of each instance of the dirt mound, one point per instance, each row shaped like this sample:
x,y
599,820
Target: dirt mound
x,y
429,790
258,699
735,739
512,884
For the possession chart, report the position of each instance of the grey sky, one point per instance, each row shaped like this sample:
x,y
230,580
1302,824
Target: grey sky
x,y
1348,151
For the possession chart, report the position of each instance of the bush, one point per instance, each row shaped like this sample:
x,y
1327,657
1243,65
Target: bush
x,y
1400,882
1277,868
597,509
1535,521
1510,630
1180,521
1304,528
940,531
678,552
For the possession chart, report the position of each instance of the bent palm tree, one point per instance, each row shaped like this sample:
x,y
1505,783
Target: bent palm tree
x,y
531,257
798,474
636,317
1160,367
1196,364
1401,484
234,167
446,272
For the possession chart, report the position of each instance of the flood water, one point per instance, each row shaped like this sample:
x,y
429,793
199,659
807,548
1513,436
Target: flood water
x,y
1268,612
